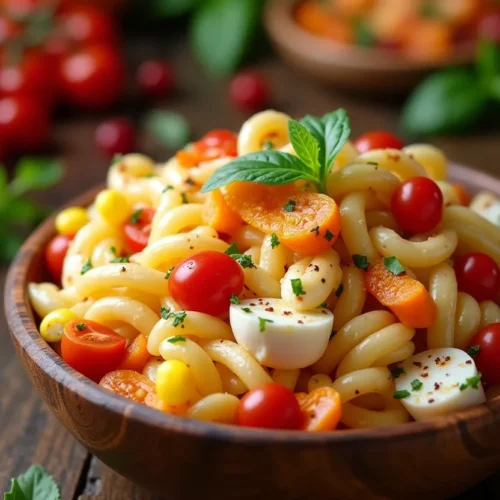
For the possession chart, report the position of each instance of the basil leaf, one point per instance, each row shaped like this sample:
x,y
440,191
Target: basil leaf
x,y
20,211
172,8
11,243
170,129
304,144
34,484
264,167
450,101
221,32
35,173
363,35
3,178
488,64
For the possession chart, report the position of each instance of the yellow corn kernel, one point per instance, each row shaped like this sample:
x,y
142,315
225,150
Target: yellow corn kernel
x,y
174,383
71,220
112,206
52,326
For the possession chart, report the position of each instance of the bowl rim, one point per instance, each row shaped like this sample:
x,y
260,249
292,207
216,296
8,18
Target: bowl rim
x,y
283,29
22,326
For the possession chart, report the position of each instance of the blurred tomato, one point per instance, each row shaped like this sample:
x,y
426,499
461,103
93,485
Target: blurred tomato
x,y
24,123
93,77
8,29
22,8
109,5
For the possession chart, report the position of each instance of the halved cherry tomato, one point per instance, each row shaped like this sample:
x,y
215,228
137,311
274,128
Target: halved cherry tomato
x,y
378,139
205,282
137,355
129,384
54,256
137,233
91,348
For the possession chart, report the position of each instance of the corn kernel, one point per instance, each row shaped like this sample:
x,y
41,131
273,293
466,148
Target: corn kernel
x,y
112,206
174,383
71,220
52,326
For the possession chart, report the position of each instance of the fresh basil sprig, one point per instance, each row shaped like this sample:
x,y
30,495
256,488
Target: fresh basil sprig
x,y
34,484
316,141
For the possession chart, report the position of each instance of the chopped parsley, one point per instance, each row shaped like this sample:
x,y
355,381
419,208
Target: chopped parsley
x,y
472,382
360,261
396,372
177,338
416,385
274,240
168,187
134,218
473,350
169,272
164,312
116,159
289,206
246,309
113,251
297,287
401,394
80,326
328,235
262,323
179,316
245,261
339,291
234,299
120,260
323,304
393,265
315,230
372,163
86,267
268,145
184,198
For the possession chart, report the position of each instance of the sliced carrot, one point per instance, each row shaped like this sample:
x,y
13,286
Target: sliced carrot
x,y
322,408
405,297
136,355
463,195
153,401
305,222
218,214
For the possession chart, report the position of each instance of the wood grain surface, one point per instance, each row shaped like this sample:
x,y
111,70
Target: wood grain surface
x,y
29,433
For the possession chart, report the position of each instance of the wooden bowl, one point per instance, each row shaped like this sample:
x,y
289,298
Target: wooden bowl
x,y
350,67
182,458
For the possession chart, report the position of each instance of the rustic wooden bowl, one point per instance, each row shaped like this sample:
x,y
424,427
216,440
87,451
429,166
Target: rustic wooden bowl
x,y
354,68
182,458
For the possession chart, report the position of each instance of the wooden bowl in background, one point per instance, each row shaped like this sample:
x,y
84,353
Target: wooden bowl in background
x,y
350,67
182,458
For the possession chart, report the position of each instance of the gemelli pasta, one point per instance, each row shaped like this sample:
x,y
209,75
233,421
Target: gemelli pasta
x,y
280,278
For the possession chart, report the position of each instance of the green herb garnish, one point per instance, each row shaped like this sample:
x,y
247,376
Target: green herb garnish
x,y
86,267
262,323
472,382
416,385
396,372
169,272
274,240
80,326
234,299
177,338
246,309
473,350
360,261
393,265
401,394
328,235
289,206
134,218
297,287
339,291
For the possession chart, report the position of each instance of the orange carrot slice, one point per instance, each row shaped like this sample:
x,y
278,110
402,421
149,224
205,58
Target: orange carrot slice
x,y
136,356
405,297
306,222
462,194
218,214
322,408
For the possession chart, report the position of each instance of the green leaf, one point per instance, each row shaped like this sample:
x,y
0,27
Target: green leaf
x,y
297,287
134,218
177,338
289,206
447,102
264,167
234,299
86,267
393,265
363,34
304,144
472,382
33,173
361,261
168,128
173,8
274,241
396,372
401,394
34,484
11,243
473,350
21,211
262,323
221,32
232,249
416,385
488,63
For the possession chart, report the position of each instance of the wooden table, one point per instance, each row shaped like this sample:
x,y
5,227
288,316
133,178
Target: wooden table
x,y
28,432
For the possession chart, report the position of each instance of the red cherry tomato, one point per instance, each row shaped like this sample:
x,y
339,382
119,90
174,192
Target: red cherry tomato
x,y
8,29
249,91
91,348
137,233
86,24
488,340
155,78
93,77
489,27
20,8
271,406
222,140
24,123
205,282
478,275
54,256
417,205
115,136
378,139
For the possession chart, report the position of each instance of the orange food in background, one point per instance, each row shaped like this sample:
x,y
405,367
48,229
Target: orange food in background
x,y
429,40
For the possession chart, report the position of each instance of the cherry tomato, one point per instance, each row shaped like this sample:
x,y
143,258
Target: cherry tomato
x,y
478,275
222,141
271,406
137,233
489,27
22,8
55,252
417,205
115,136
8,29
93,77
205,282
378,139
129,384
91,348
155,78
24,123
249,91
488,340
86,24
